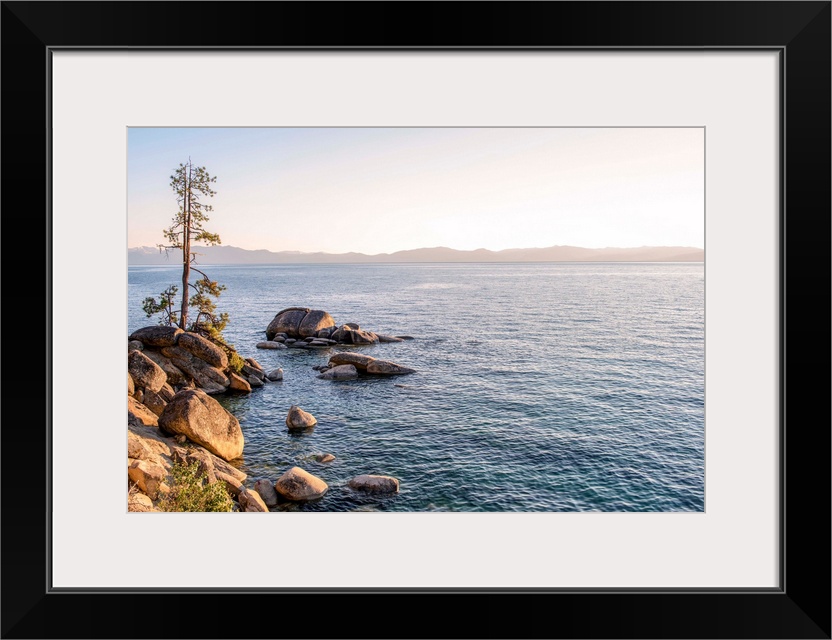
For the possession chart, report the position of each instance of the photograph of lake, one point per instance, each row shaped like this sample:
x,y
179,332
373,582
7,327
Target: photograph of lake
x,y
490,319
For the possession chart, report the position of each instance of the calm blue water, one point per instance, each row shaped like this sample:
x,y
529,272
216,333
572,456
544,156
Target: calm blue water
x,y
540,387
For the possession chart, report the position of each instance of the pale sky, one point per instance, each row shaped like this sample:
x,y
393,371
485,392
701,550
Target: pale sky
x,y
380,190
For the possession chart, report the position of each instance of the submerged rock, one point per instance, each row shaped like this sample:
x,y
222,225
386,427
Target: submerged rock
x,y
383,338
324,457
297,418
298,485
271,345
275,374
386,368
375,484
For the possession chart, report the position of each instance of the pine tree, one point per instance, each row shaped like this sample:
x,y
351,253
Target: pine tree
x,y
190,184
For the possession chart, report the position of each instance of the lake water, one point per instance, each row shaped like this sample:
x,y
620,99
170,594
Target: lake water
x,y
539,387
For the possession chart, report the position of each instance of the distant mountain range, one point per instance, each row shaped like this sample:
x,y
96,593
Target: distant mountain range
x,y
235,255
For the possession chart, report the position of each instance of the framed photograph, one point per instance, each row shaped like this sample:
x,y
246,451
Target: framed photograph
x,y
643,447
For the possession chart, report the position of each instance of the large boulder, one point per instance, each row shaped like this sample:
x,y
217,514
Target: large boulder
x,y
210,379
298,485
157,336
313,322
297,418
287,321
358,360
203,349
145,372
340,372
386,368
374,484
205,421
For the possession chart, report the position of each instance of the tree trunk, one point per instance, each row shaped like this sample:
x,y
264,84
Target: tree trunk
x,y
186,250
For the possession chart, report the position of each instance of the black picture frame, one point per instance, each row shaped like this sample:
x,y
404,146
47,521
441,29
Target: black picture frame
x,y
799,608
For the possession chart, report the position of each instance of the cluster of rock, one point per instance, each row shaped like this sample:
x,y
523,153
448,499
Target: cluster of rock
x,y
188,360
192,427
348,365
304,328
298,485
170,374
173,418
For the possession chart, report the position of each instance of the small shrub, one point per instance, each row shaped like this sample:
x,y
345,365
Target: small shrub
x,y
190,491
236,362
214,334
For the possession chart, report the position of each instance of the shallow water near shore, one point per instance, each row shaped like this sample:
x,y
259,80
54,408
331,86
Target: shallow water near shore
x,y
539,387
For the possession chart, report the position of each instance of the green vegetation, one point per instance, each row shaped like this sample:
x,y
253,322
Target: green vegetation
x,y
190,491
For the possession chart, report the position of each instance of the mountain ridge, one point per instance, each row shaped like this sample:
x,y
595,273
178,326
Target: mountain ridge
x,y
227,254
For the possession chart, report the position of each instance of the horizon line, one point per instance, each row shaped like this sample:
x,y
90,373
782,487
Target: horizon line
x,y
389,253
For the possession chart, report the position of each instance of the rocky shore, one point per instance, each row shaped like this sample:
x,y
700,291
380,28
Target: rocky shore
x,y
173,418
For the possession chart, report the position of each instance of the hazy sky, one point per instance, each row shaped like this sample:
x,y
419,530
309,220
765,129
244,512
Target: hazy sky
x,y
387,189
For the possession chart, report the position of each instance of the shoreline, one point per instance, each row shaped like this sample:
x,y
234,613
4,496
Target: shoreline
x,y
174,421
